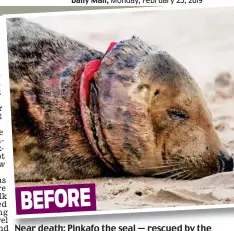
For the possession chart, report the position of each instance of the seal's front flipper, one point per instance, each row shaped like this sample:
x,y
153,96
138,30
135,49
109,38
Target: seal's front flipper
x,y
34,113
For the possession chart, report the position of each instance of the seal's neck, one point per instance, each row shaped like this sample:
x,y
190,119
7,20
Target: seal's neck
x,y
87,99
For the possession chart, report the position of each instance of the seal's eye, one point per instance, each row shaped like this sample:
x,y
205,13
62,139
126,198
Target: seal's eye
x,y
176,114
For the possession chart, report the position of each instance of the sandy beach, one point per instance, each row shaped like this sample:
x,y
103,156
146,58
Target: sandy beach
x,y
203,41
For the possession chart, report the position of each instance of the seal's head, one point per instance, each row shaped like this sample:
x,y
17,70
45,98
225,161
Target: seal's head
x,y
153,116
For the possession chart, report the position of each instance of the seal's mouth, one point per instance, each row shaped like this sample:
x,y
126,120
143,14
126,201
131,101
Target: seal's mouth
x,y
90,115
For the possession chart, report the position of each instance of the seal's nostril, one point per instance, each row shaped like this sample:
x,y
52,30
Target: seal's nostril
x,y
229,165
226,162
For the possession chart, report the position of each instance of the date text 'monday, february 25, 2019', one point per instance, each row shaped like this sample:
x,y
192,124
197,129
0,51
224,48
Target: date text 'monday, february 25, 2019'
x,y
137,2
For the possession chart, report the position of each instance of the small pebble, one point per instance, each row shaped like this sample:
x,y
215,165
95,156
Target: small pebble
x,y
228,200
138,193
109,182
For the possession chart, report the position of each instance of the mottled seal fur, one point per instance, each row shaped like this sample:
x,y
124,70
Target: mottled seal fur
x,y
146,113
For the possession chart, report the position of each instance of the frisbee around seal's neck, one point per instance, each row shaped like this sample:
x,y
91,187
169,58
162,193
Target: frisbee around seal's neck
x,y
89,113
123,110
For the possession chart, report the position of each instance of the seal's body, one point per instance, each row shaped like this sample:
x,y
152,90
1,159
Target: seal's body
x,y
48,136
146,115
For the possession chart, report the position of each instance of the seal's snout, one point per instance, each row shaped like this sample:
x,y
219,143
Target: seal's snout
x,y
226,162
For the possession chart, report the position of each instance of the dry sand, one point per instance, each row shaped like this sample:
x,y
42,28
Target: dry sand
x,y
203,41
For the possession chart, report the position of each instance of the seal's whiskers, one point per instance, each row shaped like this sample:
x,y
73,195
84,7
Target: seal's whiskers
x,y
167,172
187,176
162,166
179,174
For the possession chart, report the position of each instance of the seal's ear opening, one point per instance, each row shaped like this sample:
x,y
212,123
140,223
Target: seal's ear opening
x,y
156,92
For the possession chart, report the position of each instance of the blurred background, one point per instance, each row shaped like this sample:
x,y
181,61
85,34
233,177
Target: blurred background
x,y
201,39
